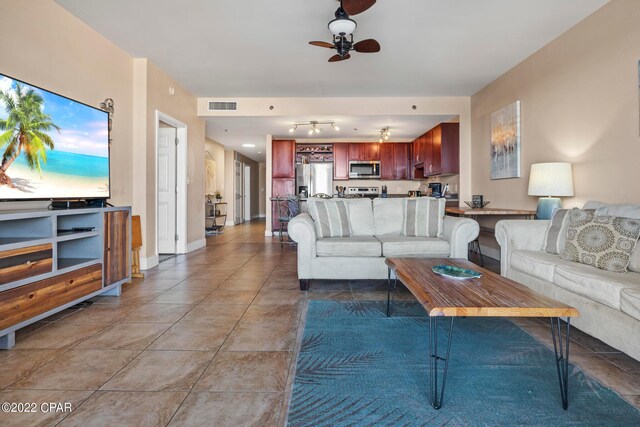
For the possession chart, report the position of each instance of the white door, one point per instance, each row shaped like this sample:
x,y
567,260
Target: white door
x,y
238,187
247,193
167,190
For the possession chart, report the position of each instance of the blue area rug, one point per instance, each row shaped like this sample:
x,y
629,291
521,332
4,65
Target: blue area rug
x,y
357,367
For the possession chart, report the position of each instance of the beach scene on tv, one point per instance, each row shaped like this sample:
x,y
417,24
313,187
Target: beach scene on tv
x,y
50,146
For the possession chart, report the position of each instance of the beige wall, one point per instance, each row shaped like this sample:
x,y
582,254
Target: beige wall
x,y
262,183
217,152
180,106
46,46
579,99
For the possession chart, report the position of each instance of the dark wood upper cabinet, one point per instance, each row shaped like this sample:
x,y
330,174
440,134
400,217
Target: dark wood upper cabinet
x,y
283,158
116,246
439,151
387,163
341,161
395,160
401,160
364,151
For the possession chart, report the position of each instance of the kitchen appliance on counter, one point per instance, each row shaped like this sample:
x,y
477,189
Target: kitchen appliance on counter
x,y
384,192
359,169
436,189
415,193
371,192
316,178
303,191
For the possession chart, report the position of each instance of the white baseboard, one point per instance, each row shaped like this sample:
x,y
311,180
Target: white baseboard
x,y
149,262
192,246
229,223
262,216
268,233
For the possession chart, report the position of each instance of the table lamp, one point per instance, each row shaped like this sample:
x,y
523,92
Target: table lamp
x,y
550,181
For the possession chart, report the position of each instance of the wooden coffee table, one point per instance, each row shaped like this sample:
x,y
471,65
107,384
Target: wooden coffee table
x,y
488,296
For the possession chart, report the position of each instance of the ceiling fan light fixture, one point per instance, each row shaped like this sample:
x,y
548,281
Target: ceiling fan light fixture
x,y
342,26
336,128
293,129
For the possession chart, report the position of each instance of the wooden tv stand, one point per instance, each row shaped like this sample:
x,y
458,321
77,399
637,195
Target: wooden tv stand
x,y
52,260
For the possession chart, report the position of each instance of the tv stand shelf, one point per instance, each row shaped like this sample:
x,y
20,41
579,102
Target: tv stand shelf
x,y
44,270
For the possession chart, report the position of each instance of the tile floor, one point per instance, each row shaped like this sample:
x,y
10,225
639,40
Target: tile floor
x,y
204,339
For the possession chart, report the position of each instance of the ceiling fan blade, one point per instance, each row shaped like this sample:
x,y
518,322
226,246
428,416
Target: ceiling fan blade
x,y
323,44
336,58
367,46
354,7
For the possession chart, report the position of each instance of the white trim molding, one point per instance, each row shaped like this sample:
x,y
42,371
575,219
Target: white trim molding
x,y
197,244
149,262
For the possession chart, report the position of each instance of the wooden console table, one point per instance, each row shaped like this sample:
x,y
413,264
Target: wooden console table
x,y
474,213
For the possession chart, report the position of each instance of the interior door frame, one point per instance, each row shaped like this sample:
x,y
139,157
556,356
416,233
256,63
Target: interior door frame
x,y
246,196
181,181
238,192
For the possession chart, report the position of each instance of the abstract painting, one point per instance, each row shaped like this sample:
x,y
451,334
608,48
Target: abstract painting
x,y
505,142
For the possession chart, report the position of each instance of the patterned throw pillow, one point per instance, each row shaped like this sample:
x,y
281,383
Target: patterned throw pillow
x,y
331,218
603,241
557,232
423,217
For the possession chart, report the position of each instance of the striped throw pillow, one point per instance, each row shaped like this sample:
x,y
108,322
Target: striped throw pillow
x,y
423,217
556,236
331,218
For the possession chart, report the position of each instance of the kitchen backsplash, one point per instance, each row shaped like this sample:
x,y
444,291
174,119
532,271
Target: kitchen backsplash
x,y
401,186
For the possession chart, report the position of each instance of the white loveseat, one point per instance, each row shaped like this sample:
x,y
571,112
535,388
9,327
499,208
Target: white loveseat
x,y
608,302
376,233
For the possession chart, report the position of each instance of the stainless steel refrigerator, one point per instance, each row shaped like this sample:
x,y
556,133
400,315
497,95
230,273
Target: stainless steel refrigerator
x,y
316,177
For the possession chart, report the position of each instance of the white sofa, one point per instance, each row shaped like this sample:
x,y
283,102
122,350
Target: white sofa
x,y
376,233
608,302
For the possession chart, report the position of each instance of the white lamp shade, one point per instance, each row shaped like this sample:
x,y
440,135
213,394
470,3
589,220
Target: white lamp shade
x,y
551,179
342,26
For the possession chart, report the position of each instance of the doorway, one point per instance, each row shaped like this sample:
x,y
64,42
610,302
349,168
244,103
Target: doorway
x,y
167,189
238,206
246,194
170,185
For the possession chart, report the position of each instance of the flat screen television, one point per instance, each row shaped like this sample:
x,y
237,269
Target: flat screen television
x,y
51,147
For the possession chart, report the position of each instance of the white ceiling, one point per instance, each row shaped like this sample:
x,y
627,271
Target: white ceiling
x,y
235,131
259,48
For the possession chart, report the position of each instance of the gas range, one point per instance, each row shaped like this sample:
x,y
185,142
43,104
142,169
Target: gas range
x,y
371,192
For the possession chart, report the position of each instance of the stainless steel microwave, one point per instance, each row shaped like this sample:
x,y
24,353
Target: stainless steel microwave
x,y
364,170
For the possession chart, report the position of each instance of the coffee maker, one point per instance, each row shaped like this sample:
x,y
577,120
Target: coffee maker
x,y
303,191
436,189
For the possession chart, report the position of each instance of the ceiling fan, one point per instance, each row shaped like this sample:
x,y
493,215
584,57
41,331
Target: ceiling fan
x,y
342,28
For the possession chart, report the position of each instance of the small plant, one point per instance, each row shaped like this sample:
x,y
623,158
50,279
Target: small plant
x,y
218,196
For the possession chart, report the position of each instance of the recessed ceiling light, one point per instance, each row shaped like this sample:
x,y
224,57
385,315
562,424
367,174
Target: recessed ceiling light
x,y
249,145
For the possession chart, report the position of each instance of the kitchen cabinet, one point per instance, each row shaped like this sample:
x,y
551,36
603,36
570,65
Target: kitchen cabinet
x,y
283,158
394,160
341,161
364,151
437,152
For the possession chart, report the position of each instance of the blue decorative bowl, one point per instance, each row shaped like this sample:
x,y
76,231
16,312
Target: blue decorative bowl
x,y
455,272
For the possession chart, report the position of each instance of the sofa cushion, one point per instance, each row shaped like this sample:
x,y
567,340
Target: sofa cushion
x,y
556,236
388,216
627,211
630,301
354,246
603,241
423,217
330,217
432,247
360,217
598,285
538,264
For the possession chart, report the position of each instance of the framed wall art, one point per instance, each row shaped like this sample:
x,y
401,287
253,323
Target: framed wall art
x,y
505,142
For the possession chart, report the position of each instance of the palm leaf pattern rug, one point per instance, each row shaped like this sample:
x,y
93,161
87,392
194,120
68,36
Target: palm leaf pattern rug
x,y
356,367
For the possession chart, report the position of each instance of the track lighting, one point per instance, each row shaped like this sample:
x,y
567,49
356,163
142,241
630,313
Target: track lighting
x,y
315,126
385,133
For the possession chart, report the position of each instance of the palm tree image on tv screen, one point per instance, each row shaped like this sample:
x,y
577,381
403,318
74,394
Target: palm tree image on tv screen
x,y
51,147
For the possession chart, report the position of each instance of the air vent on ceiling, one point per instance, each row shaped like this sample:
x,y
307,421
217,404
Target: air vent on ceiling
x,y
223,106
